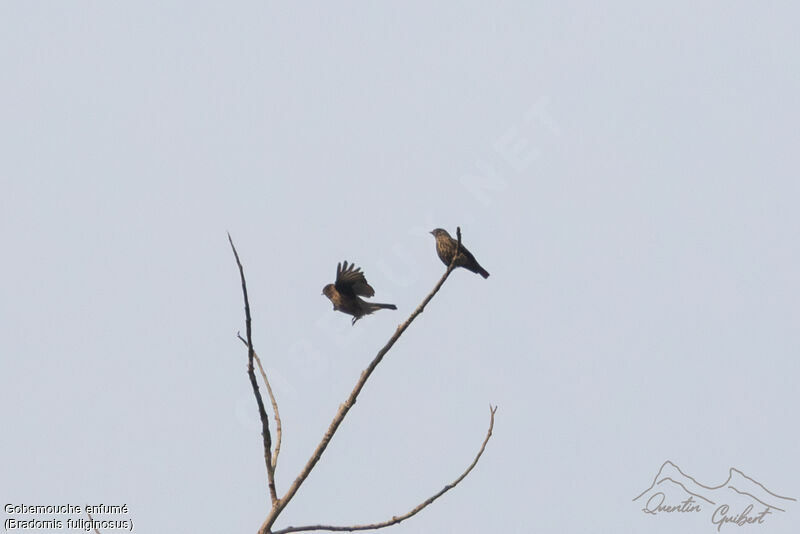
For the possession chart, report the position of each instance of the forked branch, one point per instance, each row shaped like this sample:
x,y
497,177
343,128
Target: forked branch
x,y
271,459
278,507
267,437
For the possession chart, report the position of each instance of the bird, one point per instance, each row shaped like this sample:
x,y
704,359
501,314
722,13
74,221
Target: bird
x,y
345,292
446,248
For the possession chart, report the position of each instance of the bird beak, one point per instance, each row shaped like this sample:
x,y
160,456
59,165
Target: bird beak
x,y
431,232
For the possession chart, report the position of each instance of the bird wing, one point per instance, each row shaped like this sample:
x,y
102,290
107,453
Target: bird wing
x,y
351,281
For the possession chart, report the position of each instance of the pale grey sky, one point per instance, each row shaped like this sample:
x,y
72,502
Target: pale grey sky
x,y
627,173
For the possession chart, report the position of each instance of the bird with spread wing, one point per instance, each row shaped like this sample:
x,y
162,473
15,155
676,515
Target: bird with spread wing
x,y
345,293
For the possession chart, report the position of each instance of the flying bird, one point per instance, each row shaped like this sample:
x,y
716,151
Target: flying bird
x,y
446,248
345,293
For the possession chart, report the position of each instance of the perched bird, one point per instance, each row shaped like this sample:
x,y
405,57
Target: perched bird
x,y
345,292
446,248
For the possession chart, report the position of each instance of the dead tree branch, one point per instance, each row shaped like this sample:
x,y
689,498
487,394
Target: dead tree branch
x,y
267,437
278,506
397,519
278,428
271,459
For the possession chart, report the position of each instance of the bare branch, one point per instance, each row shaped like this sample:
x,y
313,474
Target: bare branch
x,y
398,518
92,522
278,507
458,245
278,428
250,371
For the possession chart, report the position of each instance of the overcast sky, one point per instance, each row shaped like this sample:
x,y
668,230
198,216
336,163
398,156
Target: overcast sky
x,y
627,173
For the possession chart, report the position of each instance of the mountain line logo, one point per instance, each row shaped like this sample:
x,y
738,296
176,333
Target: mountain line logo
x,y
739,501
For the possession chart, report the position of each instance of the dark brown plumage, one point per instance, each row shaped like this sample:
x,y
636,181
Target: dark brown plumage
x,y
446,248
345,292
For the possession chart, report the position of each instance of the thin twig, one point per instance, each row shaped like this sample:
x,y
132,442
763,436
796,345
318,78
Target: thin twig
x,y
398,518
458,245
278,507
251,372
92,520
278,428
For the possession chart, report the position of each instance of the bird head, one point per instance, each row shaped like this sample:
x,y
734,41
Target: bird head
x,y
329,290
439,233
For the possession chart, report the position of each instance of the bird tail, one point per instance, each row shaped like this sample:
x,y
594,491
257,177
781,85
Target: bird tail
x,y
379,306
479,270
